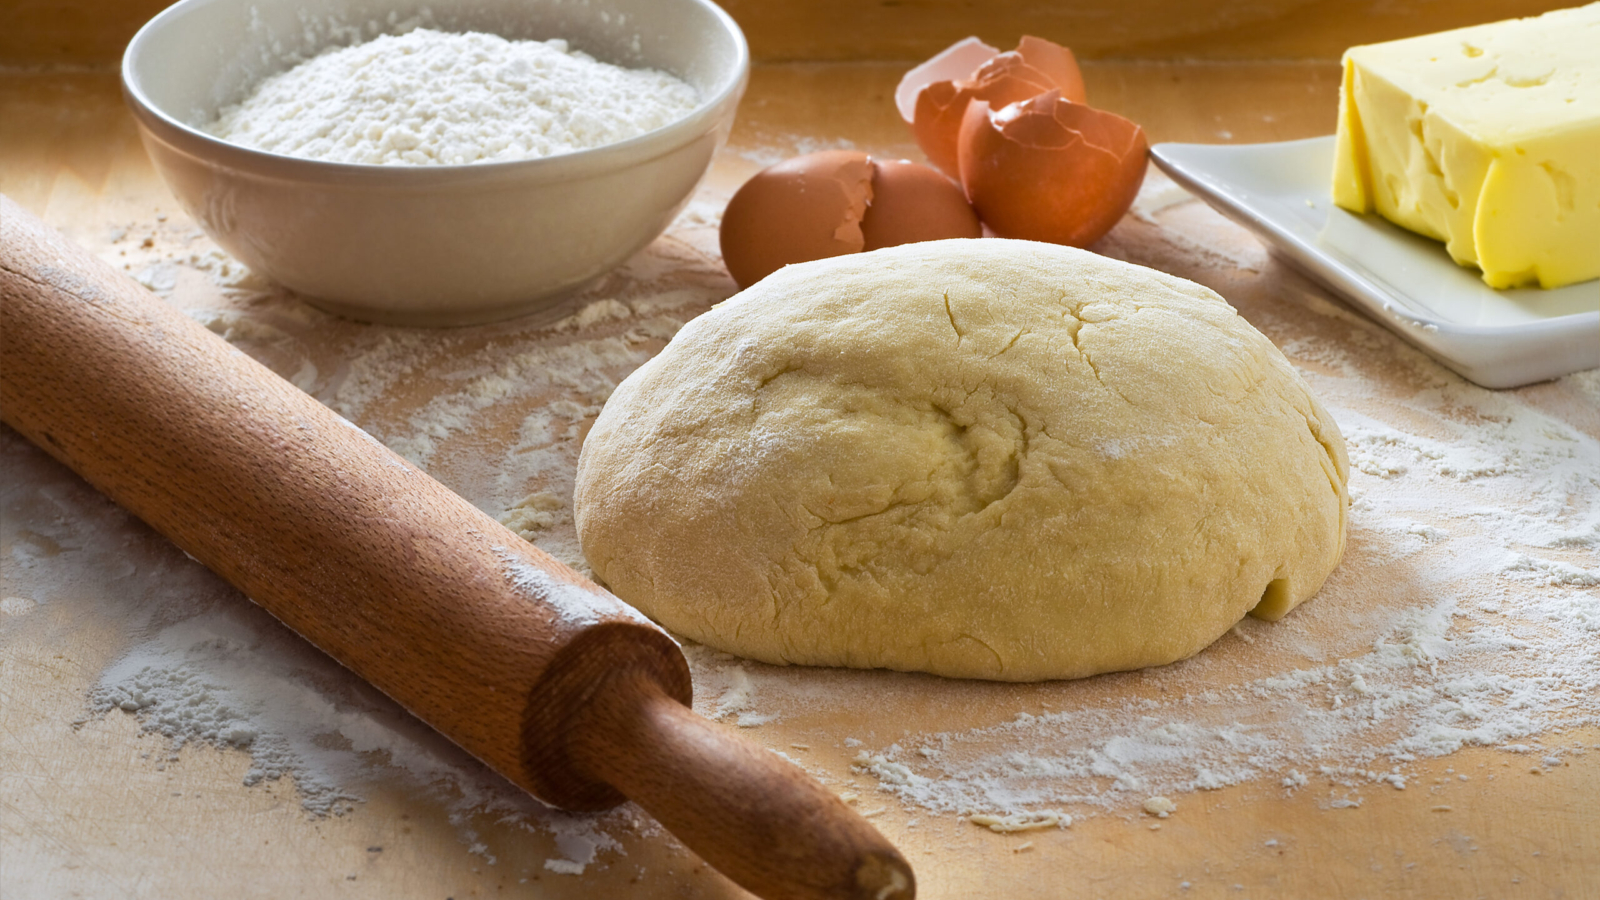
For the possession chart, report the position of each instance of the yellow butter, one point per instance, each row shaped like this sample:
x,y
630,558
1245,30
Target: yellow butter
x,y
1486,138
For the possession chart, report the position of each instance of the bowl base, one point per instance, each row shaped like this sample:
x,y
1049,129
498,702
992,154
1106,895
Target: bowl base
x,y
545,309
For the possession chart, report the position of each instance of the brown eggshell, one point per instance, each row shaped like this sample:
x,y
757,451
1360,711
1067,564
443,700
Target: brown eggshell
x,y
801,209
1057,64
956,62
911,202
1048,169
938,106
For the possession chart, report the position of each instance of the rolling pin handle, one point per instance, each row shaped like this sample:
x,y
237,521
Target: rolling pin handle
x,y
749,813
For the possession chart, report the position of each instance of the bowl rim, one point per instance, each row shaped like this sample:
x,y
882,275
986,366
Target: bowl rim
x,y
706,115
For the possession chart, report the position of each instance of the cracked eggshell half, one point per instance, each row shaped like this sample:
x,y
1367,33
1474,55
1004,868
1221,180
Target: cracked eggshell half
x,y
1049,169
801,209
833,203
911,203
934,96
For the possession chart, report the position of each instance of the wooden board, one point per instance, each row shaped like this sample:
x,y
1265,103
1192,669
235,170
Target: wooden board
x,y
91,808
93,32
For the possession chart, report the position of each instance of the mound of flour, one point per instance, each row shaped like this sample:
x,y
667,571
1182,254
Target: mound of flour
x,y
434,98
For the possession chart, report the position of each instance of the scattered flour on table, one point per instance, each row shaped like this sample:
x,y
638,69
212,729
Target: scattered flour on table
x,y
430,97
737,701
788,147
229,678
1492,639
205,668
1466,612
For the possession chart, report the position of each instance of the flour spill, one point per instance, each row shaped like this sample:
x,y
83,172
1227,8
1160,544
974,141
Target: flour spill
x,y
1490,507
1466,612
230,677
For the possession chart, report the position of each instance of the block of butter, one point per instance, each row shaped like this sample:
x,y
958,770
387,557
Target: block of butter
x,y
1486,138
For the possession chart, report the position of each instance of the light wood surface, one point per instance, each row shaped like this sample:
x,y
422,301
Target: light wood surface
x,y
85,815
521,661
355,549
1104,29
93,32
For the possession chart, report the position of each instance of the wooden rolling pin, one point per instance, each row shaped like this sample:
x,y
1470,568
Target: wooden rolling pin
x,y
538,672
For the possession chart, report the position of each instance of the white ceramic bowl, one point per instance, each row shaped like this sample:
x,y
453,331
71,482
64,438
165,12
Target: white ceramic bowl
x,y
428,245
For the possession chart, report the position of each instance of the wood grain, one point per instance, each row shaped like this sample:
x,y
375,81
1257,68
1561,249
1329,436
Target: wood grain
x,y
1257,30
93,32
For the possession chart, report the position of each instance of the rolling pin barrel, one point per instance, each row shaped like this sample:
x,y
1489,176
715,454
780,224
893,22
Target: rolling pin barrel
x,y
541,674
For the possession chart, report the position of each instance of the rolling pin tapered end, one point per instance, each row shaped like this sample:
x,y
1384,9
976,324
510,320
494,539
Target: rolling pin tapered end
x,y
753,815
885,878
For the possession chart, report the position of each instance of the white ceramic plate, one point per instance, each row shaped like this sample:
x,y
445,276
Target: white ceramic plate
x,y
1498,339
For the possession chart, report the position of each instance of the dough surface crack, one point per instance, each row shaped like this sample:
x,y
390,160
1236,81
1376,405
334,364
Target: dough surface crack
x,y
853,488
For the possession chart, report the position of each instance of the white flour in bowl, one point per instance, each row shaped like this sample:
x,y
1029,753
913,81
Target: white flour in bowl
x,y
433,98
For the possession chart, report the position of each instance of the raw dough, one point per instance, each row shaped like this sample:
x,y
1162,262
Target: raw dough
x,y
981,458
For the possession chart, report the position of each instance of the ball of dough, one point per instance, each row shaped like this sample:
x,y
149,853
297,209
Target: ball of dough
x,y
979,458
